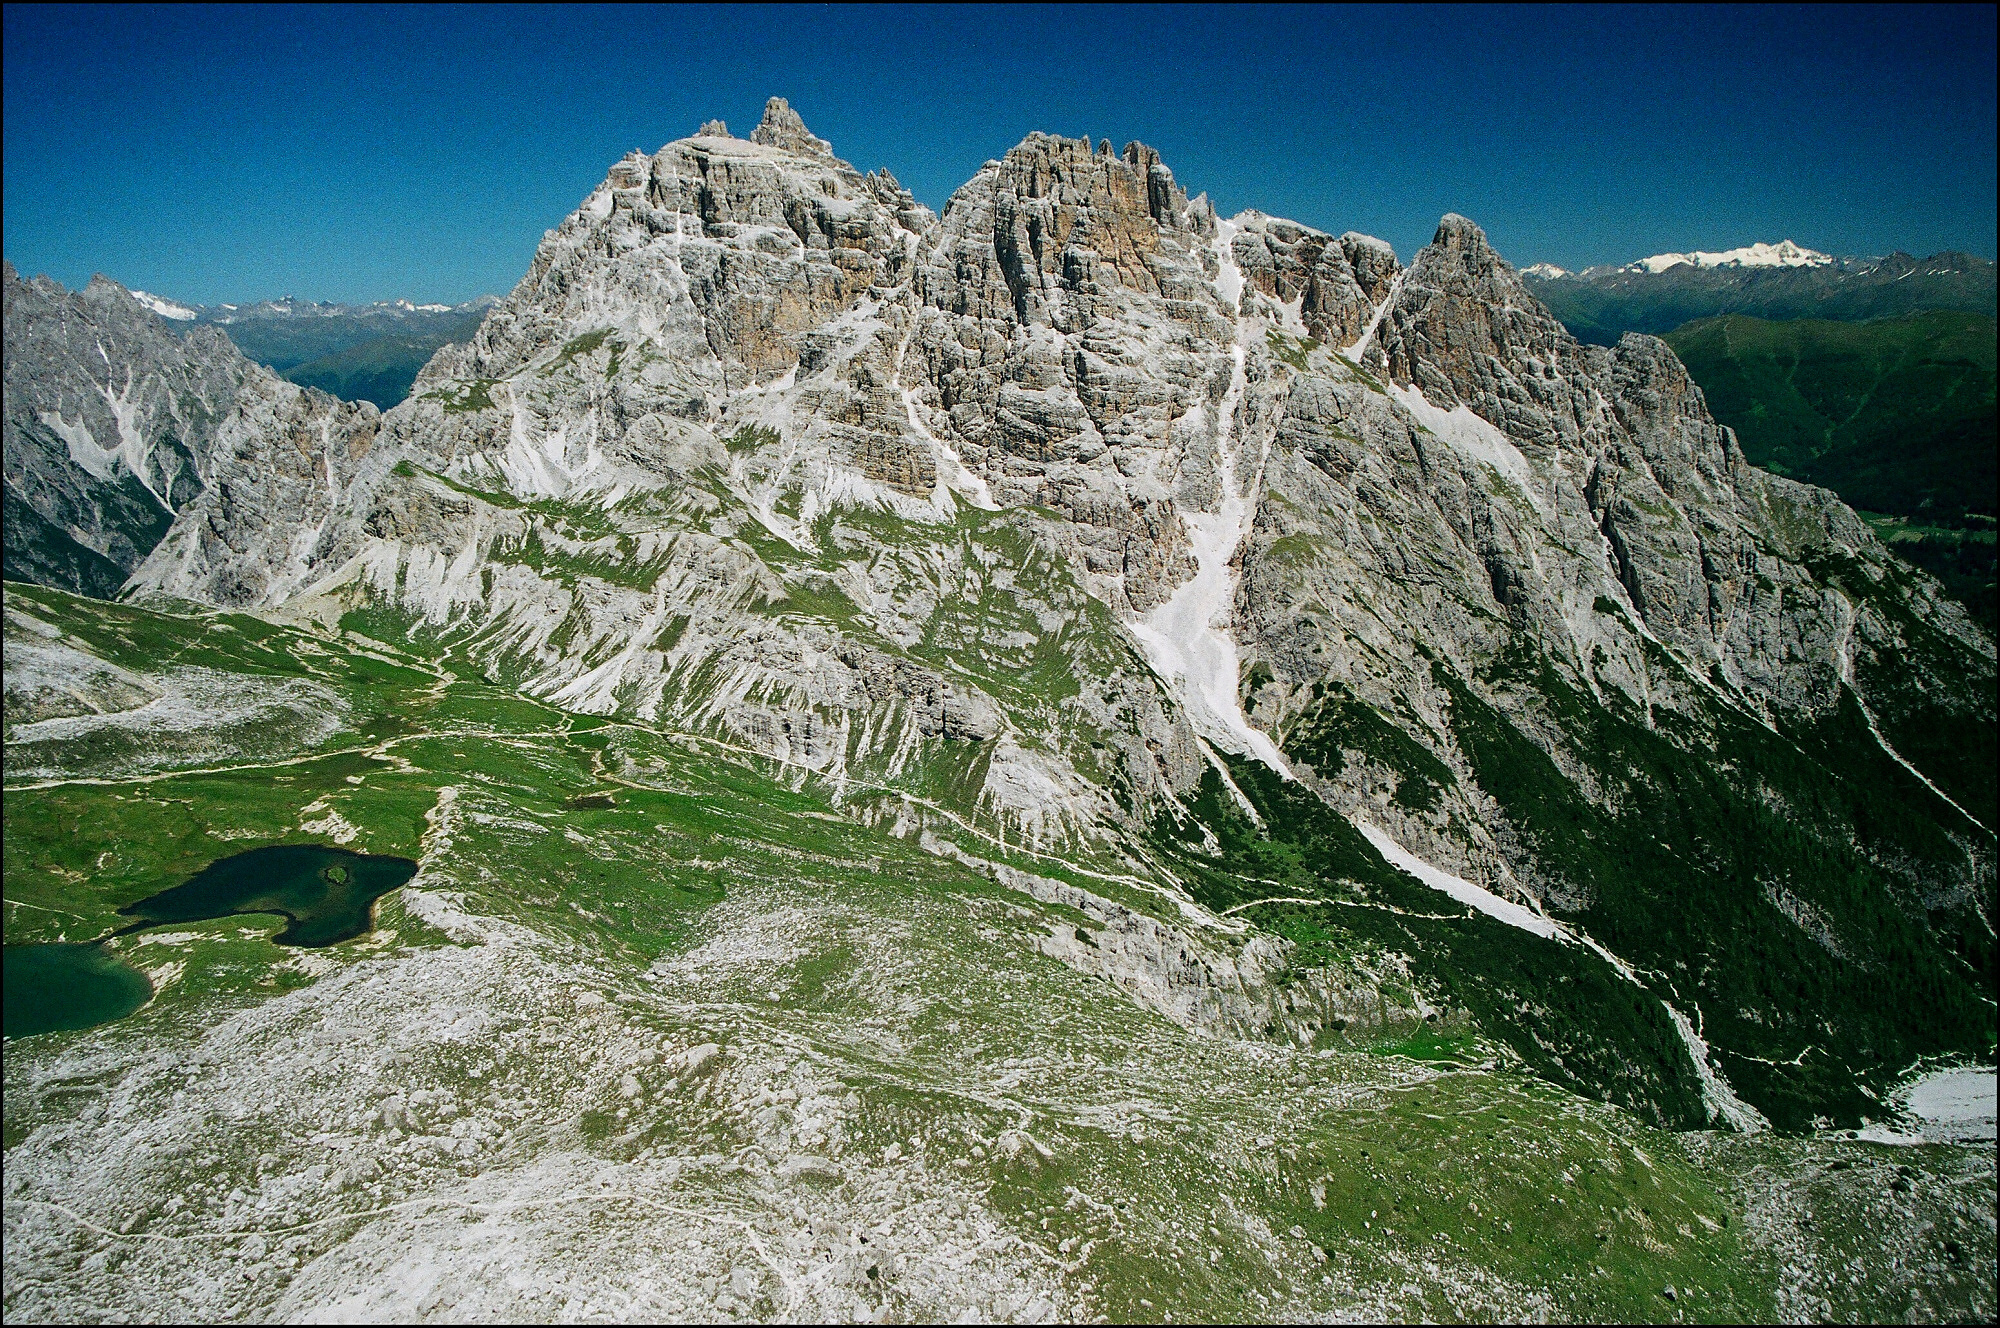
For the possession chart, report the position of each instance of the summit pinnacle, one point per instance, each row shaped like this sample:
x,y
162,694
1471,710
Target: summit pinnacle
x,y
782,128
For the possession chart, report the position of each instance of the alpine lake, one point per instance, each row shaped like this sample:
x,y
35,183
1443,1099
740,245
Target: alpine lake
x,y
326,895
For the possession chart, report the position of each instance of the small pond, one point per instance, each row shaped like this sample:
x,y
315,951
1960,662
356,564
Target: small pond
x,y
59,987
326,895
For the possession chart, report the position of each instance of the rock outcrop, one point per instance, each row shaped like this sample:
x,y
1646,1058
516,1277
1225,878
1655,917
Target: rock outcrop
x,y
110,425
116,424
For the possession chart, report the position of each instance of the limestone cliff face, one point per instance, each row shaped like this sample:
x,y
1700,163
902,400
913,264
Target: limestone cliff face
x,y
1511,490
1050,512
749,336
1712,553
116,425
110,429
283,457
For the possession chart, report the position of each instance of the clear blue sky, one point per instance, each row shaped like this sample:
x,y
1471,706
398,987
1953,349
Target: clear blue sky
x,y
354,154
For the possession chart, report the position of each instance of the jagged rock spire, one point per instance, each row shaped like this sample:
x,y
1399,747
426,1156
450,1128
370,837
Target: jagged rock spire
x,y
782,128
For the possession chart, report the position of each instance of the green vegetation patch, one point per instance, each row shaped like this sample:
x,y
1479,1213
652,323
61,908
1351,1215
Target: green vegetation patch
x,y
1682,872
580,348
1292,350
1338,719
464,397
751,437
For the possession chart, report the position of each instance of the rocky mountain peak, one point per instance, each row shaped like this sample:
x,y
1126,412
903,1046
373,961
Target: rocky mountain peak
x,y
1067,510
782,128
1464,330
1460,240
1057,217
102,288
1166,200
713,129
115,423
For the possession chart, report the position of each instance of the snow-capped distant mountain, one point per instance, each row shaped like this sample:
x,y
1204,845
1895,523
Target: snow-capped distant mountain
x,y
166,308
1782,254
291,308
1777,281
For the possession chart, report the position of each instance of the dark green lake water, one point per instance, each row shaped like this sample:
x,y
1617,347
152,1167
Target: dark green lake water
x,y
324,894
52,987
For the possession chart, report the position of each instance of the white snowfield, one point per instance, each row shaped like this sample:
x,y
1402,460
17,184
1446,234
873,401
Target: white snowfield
x,y
1474,436
1464,891
1546,271
1188,640
1782,254
165,308
1960,1105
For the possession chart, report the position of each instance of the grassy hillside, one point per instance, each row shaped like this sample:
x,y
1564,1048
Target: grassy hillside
x,y
653,1006
1895,415
379,370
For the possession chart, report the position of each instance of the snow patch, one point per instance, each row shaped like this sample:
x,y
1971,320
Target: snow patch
x,y
1966,1099
100,463
1474,436
1367,338
166,308
1187,640
1464,891
1960,1105
132,447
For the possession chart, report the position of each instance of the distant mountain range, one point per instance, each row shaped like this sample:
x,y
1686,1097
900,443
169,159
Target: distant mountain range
x,y
358,352
1775,281
1871,376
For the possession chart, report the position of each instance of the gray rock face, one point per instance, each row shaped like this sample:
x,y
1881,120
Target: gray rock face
x,y
283,457
116,425
1072,341
756,337
782,128
1712,553
1291,263
110,426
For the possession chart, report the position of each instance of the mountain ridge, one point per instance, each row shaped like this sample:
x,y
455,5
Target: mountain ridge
x,y
1658,294
756,432
1072,756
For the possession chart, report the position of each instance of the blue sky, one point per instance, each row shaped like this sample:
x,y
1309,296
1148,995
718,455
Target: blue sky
x,y
356,153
